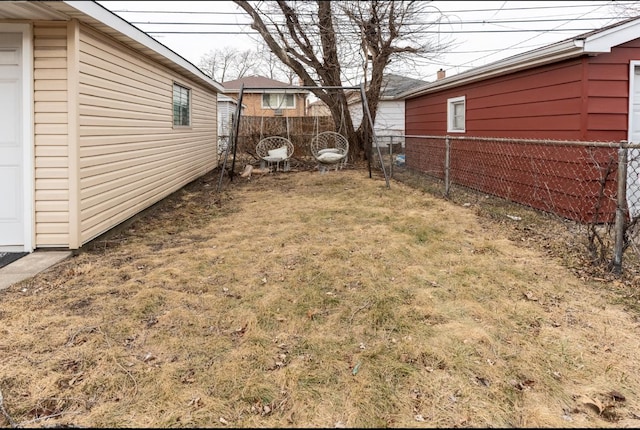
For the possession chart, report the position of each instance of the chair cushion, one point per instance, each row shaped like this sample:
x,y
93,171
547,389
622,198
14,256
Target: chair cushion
x,y
329,157
329,150
277,154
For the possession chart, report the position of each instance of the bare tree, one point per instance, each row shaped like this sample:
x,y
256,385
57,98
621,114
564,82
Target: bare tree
x,y
276,69
627,9
321,40
229,63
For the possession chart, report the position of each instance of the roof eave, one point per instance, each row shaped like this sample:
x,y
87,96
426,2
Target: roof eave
x,y
602,41
265,90
111,20
550,54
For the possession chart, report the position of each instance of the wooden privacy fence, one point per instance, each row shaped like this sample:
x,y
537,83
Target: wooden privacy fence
x,y
299,130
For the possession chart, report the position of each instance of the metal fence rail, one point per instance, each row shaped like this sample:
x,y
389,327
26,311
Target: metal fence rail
x,y
590,183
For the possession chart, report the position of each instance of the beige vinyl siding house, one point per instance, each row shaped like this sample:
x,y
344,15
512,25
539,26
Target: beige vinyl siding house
x,y
105,146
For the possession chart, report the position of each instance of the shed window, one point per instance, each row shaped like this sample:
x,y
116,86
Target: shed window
x,y
181,105
278,101
456,115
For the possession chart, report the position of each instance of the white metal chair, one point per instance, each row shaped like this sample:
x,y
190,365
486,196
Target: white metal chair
x,y
330,148
273,151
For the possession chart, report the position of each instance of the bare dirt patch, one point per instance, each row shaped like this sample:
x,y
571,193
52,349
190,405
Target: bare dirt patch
x,y
315,300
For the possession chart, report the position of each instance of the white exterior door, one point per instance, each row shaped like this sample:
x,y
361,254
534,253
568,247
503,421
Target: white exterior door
x,y
15,221
633,167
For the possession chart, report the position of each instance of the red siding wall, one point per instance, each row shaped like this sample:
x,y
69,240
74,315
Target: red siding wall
x,y
579,99
543,102
608,92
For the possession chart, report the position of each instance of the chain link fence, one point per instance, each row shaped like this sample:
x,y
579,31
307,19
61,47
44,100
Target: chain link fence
x,y
593,187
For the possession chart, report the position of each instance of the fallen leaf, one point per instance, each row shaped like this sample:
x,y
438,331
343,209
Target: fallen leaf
x,y
592,403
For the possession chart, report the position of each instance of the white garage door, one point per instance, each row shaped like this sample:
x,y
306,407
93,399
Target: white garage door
x,y
11,141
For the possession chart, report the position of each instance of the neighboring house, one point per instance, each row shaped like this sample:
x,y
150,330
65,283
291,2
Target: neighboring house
x,y
271,98
99,121
318,108
390,115
583,88
227,108
586,88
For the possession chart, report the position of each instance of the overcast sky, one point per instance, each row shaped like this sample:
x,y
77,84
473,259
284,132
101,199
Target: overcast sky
x,y
483,31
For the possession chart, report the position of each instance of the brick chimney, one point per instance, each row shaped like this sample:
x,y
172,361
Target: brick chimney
x,y
441,74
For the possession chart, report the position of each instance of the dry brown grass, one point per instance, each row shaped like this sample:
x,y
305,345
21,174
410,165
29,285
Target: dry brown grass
x,y
315,300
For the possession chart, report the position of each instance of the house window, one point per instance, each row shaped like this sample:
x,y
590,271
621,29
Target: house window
x,y
456,115
181,105
278,101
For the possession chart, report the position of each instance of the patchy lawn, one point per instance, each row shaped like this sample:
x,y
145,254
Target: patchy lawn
x,y
315,300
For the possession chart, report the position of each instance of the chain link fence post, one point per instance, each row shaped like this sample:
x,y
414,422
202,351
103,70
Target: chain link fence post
x,y
447,165
621,203
391,157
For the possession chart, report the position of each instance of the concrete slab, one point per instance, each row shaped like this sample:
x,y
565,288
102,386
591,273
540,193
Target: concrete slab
x,y
30,265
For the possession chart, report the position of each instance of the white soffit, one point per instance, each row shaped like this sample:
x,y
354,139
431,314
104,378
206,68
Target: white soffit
x,y
100,18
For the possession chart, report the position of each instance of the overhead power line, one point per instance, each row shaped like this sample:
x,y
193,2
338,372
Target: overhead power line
x,y
488,21
564,6
456,24
540,30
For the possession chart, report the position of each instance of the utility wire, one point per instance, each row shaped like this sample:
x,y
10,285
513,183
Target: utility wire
x,y
492,21
489,21
531,38
577,5
558,30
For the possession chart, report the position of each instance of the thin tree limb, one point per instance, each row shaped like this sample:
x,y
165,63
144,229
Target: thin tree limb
x,y
4,412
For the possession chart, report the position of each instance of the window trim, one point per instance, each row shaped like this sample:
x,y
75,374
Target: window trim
x,y
451,103
173,105
269,107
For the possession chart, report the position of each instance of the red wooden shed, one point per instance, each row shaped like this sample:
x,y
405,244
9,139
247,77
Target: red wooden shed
x,y
586,88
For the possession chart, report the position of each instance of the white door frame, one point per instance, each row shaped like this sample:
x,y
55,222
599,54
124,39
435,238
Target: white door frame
x,y
27,134
632,77
633,163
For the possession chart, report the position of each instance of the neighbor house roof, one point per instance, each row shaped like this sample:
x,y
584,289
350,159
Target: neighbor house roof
x,y
591,43
393,86
222,98
261,83
100,18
